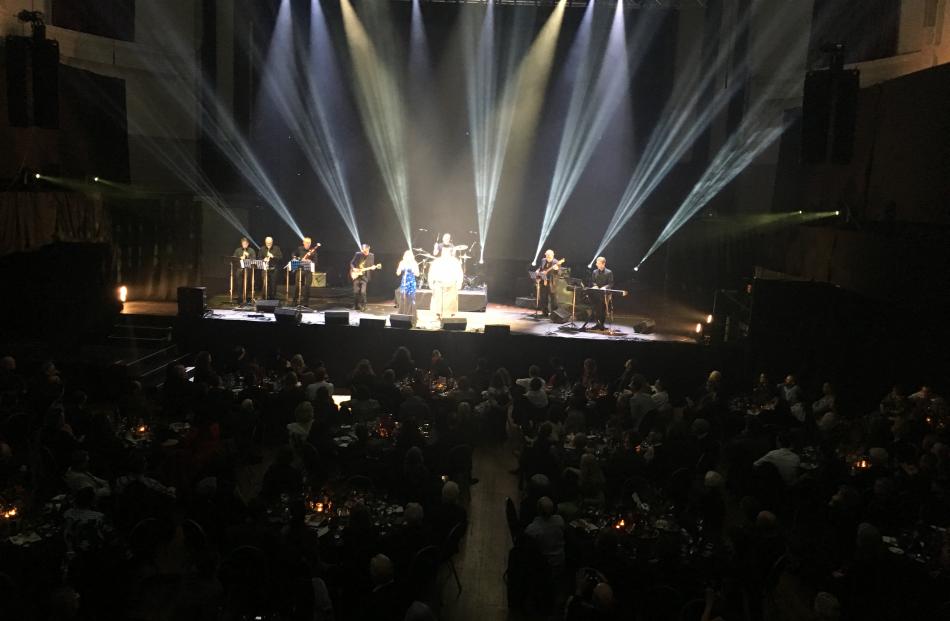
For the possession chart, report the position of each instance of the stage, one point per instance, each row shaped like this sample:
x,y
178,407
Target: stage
x,y
669,326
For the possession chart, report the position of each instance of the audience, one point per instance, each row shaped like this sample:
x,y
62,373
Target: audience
x,y
645,492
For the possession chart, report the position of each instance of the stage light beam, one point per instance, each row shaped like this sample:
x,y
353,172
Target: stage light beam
x,y
382,107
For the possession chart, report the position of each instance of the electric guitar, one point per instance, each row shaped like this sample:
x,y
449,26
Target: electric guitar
x,y
356,272
542,275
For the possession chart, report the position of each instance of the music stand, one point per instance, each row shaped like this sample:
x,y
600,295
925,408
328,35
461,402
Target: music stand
x,y
536,315
573,284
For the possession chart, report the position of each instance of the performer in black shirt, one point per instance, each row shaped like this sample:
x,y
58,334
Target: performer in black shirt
x,y
547,275
361,261
272,254
444,245
244,251
601,278
303,276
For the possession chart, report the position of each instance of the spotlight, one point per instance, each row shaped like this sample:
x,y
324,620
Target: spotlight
x,y
709,318
95,179
37,175
699,329
837,213
636,269
799,212
123,293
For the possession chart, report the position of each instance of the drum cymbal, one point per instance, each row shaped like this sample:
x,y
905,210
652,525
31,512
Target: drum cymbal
x,y
425,255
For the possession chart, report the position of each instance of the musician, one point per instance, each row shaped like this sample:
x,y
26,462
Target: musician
x,y
362,259
547,282
272,254
244,251
408,269
445,245
600,278
305,252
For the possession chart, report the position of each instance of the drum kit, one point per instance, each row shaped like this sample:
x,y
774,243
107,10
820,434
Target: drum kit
x,y
426,260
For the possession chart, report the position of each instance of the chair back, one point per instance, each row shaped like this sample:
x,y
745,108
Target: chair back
x,y
450,546
511,515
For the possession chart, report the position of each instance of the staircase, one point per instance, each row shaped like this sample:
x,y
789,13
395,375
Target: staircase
x,y
145,346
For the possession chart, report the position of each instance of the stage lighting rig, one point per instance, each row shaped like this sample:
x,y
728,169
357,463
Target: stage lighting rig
x,y
36,22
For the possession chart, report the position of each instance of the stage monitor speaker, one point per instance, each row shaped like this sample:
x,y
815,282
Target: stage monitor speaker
x,y
561,315
645,326
454,323
191,302
336,318
372,322
526,302
401,321
266,306
288,316
497,329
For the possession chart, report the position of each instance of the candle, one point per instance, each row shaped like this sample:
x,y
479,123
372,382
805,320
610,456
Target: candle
x,y
318,506
10,513
619,525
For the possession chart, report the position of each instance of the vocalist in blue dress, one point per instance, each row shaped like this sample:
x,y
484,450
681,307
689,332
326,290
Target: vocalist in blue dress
x,y
408,269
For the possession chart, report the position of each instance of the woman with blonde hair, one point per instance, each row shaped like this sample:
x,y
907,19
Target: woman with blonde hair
x,y
409,270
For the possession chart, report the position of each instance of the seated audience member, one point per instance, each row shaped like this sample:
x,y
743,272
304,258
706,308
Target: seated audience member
x,y
78,477
386,602
464,392
533,372
536,395
783,458
416,479
282,477
448,513
83,527
438,365
641,404
319,381
546,532
764,393
361,405
299,430
661,397
408,538
825,403
401,363
591,484
138,466
57,436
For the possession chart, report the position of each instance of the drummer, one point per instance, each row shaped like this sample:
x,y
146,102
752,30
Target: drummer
x,y
445,246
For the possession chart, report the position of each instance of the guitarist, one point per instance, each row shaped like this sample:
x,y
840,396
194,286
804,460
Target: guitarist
x,y
361,260
306,252
547,275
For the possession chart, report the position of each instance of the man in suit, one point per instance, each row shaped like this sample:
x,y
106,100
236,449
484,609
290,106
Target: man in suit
x,y
362,259
272,254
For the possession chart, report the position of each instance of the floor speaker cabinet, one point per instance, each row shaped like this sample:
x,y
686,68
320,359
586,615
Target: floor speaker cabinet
x,y
266,306
336,318
372,322
645,326
288,316
561,315
525,302
495,329
192,302
454,323
401,321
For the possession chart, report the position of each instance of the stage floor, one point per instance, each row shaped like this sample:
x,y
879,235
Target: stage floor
x,y
520,320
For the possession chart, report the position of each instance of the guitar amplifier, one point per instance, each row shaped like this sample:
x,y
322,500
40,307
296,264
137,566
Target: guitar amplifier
x,y
319,279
